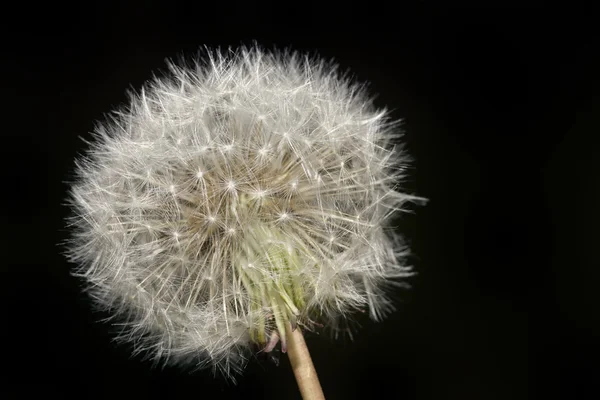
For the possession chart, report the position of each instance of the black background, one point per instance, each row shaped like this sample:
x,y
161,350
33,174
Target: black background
x,y
500,116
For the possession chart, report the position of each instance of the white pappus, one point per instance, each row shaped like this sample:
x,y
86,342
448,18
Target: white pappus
x,y
235,195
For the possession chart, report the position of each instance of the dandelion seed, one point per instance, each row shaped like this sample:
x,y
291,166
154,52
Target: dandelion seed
x,y
212,268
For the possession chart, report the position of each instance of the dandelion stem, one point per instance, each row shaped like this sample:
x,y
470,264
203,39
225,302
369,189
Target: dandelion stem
x,y
304,370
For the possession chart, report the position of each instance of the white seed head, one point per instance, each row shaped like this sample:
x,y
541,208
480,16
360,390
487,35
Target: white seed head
x,y
235,197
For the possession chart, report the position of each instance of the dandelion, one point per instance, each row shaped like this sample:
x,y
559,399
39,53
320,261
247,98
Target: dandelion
x,y
236,199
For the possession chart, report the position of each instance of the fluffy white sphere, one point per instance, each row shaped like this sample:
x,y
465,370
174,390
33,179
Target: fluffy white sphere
x,y
235,197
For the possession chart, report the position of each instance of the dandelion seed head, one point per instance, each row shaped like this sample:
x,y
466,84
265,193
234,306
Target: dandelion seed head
x,y
235,195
